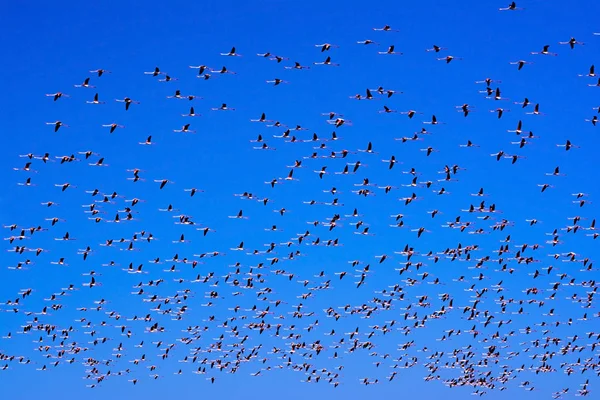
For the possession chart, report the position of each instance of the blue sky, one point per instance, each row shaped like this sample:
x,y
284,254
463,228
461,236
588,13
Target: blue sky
x,y
52,47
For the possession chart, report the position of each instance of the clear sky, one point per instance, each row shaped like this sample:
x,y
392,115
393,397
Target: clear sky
x,y
50,47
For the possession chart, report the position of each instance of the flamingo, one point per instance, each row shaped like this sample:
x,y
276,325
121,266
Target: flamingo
x,y
231,53
223,108
386,28
572,42
591,73
95,101
520,63
276,81
127,102
191,113
112,126
544,51
156,72
390,50
85,84
436,49
100,72
185,129
57,95
326,46
327,62
448,59
57,125
511,7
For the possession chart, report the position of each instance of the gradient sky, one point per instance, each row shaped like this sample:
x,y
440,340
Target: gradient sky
x,y
51,47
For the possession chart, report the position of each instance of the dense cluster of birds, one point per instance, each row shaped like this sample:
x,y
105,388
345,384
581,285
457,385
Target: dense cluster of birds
x,y
480,335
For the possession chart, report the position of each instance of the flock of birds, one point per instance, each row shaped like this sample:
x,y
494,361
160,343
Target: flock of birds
x,y
486,337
